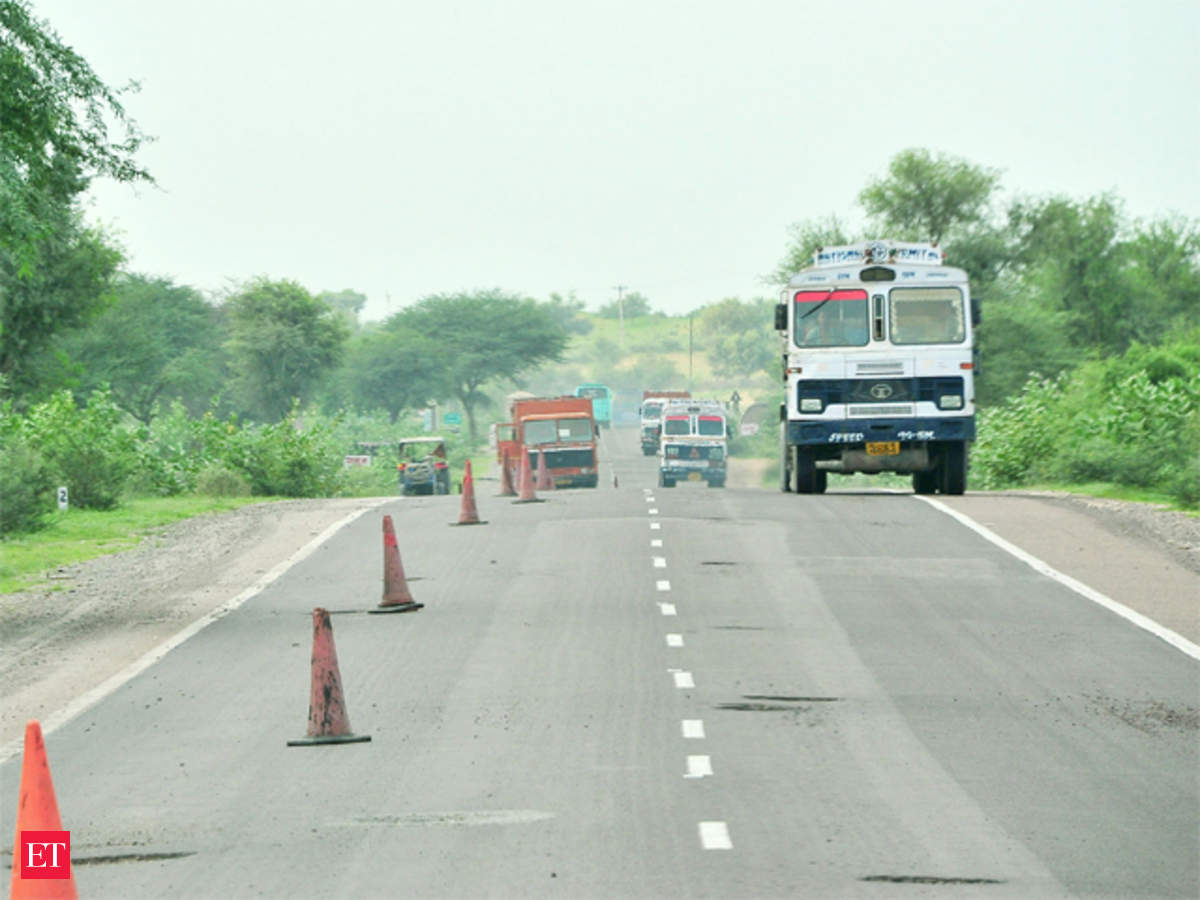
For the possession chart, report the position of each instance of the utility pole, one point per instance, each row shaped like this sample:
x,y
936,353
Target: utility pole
x,y
620,289
689,351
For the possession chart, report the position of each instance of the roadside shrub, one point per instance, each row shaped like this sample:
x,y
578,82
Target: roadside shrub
x,y
26,485
1016,439
218,481
376,480
1099,458
285,460
89,450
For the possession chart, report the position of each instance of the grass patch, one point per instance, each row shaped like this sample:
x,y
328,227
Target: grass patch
x,y
77,535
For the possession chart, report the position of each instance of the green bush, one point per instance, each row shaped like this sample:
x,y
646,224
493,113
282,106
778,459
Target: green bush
x,y
26,485
287,460
90,450
1015,440
218,481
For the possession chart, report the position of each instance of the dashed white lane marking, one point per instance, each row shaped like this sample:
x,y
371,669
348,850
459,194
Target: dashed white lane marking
x,y
668,609
655,526
1176,640
662,585
674,640
684,680
649,499
656,542
693,728
660,562
652,511
698,767
715,836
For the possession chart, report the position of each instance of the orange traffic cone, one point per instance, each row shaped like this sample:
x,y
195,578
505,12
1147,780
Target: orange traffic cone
x,y
544,480
396,596
468,515
527,492
327,719
506,485
37,810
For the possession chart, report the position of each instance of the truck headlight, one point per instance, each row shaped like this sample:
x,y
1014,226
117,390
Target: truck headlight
x,y
950,401
811,404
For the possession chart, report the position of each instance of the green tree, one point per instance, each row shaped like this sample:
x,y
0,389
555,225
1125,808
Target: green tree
x,y
283,343
926,197
484,336
156,341
568,312
806,238
392,368
632,305
741,336
349,304
55,120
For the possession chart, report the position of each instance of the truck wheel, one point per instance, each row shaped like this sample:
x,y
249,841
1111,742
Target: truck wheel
x,y
925,482
785,468
809,479
954,469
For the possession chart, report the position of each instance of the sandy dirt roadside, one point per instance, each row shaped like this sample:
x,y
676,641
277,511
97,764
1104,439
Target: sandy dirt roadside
x,y
88,622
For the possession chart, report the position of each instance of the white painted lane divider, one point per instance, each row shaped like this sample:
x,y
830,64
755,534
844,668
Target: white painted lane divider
x,y
693,729
660,562
698,767
715,836
655,526
649,499
662,585
652,511
656,542
1176,640
668,609
683,679
673,640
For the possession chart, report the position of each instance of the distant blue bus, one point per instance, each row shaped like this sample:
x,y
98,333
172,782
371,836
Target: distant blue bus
x,y
601,402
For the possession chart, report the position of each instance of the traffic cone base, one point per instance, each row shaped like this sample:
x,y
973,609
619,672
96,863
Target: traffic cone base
x,y
397,608
328,722
506,483
527,491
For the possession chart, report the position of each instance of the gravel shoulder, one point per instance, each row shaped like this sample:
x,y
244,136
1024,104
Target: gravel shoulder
x,y
90,621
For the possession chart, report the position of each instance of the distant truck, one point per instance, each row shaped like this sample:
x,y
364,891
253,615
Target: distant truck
x,y
651,412
562,428
601,396
693,443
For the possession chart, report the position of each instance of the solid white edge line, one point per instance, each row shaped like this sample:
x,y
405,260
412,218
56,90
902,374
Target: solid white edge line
x,y
60,717
1176,640
715,836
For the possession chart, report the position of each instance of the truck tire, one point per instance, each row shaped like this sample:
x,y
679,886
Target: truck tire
x,y
954,469
926,482
785,465
809,479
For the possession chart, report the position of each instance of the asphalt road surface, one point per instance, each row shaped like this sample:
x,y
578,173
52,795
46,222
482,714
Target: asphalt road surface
x,y
644,692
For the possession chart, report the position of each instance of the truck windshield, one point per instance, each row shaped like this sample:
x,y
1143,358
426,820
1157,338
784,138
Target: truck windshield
x,y
830,318
677,425
574,429
927,316
651,410
712,426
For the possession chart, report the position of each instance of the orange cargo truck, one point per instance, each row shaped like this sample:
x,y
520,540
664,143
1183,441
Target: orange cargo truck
x,y
562,428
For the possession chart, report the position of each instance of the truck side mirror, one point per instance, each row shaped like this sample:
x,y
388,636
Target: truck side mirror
x,y
780,317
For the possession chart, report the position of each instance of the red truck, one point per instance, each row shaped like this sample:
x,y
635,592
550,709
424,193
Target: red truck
x,y
561,427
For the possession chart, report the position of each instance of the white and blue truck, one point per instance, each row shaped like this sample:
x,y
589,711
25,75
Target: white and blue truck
x,y
693,444
878,367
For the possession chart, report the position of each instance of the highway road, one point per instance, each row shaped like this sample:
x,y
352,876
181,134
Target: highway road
x,y
639,692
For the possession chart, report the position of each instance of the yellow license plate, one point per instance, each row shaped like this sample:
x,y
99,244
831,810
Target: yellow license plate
x,y
883,448
695,476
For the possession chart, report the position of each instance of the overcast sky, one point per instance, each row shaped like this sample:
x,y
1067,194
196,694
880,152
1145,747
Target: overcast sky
x,y
407,148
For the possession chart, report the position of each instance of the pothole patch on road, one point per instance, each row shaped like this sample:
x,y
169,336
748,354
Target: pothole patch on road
x,y
928,879
717,562
462,818
138,856
739,628
773,703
